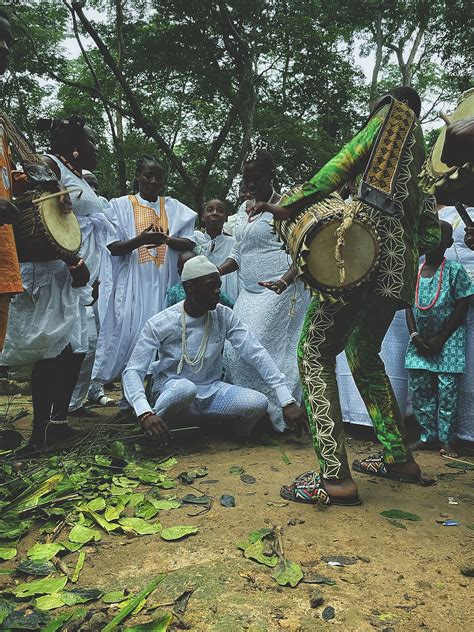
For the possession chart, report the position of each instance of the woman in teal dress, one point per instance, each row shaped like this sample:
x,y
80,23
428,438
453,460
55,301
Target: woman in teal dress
x,y
436,354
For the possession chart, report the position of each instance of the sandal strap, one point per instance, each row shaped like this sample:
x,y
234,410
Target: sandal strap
x,y
374,465
309,487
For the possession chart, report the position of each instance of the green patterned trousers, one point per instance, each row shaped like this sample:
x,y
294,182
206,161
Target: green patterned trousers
x,y
358,326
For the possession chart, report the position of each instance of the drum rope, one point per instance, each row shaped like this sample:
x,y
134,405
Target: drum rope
x,y
348,216
18,141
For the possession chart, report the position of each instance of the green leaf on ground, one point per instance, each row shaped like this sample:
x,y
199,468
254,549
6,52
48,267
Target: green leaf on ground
x,y
44,552
57,624
236,469
26,620
167,464
46,586
115,597
80,595
72,547
460,466
49,602
41,569
79,565
165,505
97,504
140,526
7,552
102,460
178,532
81,534
117,449
5,608
287,573
146,510
258,552
399,514
284,456
158,625
101,521
133,500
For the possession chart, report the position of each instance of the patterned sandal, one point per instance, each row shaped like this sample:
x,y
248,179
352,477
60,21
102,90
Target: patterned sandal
x,y
376,466
309,488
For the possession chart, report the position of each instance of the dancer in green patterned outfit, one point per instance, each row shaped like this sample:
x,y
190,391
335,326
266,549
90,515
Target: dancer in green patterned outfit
x,y
358,324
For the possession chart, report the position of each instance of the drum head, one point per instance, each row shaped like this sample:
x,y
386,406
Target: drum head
x,y
465,109
63,228
360,255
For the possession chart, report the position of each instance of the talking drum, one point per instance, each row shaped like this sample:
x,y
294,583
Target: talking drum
x,y
334,246
47,228
450,184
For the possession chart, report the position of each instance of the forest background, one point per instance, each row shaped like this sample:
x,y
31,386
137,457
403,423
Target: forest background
x,y
194,82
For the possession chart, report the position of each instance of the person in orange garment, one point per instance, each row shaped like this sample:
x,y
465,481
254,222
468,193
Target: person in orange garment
x,y
10,278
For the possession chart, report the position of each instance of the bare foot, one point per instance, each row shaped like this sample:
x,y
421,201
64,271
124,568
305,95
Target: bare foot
x,y
448,450
340,488
410,467
424,445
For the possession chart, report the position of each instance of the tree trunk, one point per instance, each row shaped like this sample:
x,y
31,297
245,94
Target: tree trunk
x,y
121,165
378,56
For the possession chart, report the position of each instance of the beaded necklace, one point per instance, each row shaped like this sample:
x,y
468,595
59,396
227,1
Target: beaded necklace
x,y
69,166
195,364
440,281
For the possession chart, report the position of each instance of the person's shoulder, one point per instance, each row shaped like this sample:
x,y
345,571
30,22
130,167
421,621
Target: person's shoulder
x,y
167,316
454,266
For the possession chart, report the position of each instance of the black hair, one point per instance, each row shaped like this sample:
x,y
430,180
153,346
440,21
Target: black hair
x,y
224,204
408,95
64,133
139,166
263,160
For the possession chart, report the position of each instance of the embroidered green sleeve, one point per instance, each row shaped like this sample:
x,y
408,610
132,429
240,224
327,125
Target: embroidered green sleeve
x,y
429,231
346,165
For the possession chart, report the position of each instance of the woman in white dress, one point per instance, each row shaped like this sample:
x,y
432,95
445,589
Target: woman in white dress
x,y
48,323
275,317
150,232
460,252
216,243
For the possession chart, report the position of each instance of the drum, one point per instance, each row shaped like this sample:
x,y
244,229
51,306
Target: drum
x,y
47,228
334,245
450,184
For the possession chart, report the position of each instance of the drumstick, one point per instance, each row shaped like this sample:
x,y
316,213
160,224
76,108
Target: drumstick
x,y
445,118
464,215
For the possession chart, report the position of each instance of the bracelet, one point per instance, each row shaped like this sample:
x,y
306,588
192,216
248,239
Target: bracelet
x,y
145,416
413,335
283,281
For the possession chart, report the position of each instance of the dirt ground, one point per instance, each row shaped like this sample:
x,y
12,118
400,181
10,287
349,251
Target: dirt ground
x,y
404,577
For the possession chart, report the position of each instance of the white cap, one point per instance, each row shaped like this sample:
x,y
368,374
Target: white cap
x,y
197,267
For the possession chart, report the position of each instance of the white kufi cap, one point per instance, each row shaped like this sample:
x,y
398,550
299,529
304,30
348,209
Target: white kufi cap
x,y
197,267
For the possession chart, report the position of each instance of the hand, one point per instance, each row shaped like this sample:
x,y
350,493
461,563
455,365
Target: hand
x,y
275,286
459,143
156,429
436,344
95,293
8,212
79,272
278,212
295,418
469,237
152,238
421,346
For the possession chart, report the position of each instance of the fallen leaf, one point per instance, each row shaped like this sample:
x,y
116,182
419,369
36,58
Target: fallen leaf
x,y
31,619
49,602
257,551
115,597
192,499
79,565
398,524
287,573
7,553
226,500
178,532
399,514
248,479
157,625
80,595
81,534
44,586
236,469
41,569
166,505
44,552
140,526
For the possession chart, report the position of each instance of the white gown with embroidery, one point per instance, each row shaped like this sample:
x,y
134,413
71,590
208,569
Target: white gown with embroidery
x,y
275,320
138,289
50,314
217,250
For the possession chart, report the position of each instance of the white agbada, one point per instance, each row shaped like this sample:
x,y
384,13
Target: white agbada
x,y
162,335
394,347
138,289
217,250
461,253
275,320
50,314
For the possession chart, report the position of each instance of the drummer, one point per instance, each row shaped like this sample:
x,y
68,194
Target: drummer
x,y
10,277
360,323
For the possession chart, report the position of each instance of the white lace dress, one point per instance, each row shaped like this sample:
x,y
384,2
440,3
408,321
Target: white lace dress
x,y
275,320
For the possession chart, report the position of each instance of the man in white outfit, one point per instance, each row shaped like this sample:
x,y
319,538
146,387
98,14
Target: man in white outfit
x,y
188,339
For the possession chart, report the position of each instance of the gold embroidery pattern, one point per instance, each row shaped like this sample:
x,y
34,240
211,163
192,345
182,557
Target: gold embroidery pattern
x,y
145,217
383,165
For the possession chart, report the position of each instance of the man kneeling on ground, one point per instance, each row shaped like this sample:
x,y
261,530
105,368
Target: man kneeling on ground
x,y
188,339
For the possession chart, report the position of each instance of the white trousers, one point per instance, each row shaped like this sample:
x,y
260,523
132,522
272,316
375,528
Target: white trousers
x,y
243,405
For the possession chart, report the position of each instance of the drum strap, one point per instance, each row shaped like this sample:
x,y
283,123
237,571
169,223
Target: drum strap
x,y
378,183
145,216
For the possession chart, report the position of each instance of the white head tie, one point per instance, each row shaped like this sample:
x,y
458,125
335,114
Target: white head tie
x,y
197,267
